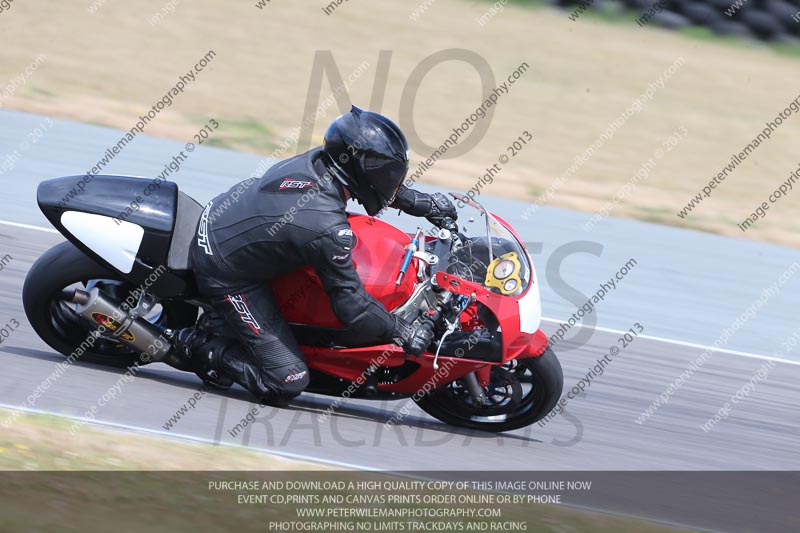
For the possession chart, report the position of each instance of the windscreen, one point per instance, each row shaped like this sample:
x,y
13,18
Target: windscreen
x,y
490,255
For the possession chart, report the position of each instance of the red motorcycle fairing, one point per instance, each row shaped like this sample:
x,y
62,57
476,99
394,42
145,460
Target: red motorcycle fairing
x,y
351,364
377,256
516,343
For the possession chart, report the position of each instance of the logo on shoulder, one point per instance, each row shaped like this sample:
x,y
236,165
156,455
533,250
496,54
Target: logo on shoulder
x,y
337,258
290,183
344,237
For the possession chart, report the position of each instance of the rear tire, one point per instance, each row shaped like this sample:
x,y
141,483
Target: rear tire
x,y
64,265
547,381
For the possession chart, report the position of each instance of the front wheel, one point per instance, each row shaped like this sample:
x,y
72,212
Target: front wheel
x,y
518,394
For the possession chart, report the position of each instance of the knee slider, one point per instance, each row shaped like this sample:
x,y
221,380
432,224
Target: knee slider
x,y
294,380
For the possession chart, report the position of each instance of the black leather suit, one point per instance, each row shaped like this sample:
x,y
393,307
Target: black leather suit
x,y
292,216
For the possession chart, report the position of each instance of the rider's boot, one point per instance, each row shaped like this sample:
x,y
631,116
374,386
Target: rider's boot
x,y
203,354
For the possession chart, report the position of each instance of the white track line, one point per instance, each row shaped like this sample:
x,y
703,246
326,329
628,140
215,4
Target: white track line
x,y
299,457
598,328
27,226
687,344
182,436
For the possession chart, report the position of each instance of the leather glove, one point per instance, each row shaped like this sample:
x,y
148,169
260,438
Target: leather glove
x,y
441,208
414,338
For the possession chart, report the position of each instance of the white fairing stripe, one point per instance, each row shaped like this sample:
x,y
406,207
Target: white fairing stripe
x,y
530,305
116,242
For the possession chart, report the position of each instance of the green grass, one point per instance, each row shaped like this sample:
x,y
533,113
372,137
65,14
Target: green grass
x,y
250,132
51,443
791,49
169,501
584,74
658,216
79,486
219,143
41,91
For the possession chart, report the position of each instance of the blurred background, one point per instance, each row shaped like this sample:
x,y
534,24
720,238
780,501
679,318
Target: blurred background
x,y
771,20
690,66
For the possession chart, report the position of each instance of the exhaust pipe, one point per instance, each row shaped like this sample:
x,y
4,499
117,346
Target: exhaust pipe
x,y
137,333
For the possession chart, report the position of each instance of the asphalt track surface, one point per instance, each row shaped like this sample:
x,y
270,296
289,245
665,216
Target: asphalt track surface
x,y
599,428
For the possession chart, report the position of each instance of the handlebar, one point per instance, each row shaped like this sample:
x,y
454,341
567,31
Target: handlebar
x,y
449,224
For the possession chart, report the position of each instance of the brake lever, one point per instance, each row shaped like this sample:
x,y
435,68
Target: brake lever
x,y
451,327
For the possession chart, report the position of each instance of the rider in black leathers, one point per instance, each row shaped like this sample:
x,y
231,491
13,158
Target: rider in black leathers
x,y
293,216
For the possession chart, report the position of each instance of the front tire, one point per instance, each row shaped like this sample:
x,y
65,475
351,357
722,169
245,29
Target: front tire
x,y
61,328
519,394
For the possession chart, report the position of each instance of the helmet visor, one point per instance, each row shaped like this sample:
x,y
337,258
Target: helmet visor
x,y
385,177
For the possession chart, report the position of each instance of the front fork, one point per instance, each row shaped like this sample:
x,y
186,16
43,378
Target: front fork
x,y
470,382
475,382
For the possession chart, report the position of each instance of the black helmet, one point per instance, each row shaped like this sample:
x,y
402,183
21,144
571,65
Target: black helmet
x,y
368,153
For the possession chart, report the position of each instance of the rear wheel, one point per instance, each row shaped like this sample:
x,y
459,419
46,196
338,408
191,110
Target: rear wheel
x,y
518,394
56,322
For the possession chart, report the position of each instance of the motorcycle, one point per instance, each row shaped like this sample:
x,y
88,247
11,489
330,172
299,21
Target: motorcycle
x,y
122,283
